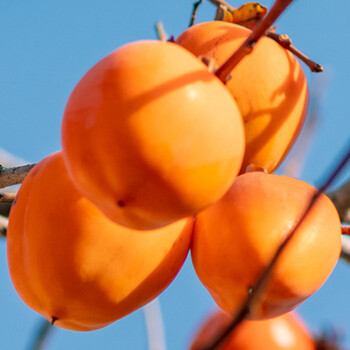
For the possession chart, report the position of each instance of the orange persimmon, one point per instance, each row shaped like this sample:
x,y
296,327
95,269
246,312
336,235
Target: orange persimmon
x,y
73,265
286,332
236,237
150,135
268,85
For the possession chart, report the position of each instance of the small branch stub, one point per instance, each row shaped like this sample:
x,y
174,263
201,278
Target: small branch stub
x,y
161,33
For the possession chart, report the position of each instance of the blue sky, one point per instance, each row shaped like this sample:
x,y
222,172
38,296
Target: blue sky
x,y
45,49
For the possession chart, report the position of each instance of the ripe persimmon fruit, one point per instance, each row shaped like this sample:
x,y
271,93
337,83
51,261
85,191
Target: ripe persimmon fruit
x,y
76,267
268,85
150,135
236,237
286,332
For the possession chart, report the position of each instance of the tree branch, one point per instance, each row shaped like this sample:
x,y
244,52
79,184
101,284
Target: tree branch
x,y
285,41
14,176
154,325
160,32
223,73
281,39
194,12
41,335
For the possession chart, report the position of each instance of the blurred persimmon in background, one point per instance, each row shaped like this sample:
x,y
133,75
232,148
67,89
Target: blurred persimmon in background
x,y
286,332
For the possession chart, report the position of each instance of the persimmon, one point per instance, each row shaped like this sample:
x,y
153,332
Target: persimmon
x,y
150,135
286,332
235,238
268,85
76,267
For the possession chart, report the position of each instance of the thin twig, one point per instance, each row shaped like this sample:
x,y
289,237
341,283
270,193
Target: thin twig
x,y
15,175
154,325
161,33
261,283
41,335
194,12
285,41
223,73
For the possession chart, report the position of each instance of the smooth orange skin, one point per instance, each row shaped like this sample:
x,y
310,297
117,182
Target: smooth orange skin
x,y
236,237
286,332
268,85
150,136
74,266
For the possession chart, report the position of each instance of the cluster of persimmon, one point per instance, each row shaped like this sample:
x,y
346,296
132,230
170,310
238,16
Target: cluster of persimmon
x,y
154,160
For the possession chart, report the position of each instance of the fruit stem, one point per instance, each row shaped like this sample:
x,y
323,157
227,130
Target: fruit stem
x,y
286,42
14,176
223,73
263,280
